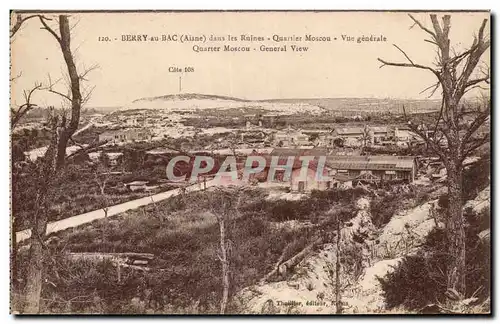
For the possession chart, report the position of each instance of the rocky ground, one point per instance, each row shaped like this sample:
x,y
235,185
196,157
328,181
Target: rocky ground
x,y
311,287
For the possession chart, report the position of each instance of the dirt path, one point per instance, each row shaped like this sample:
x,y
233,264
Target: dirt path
x,y
112,211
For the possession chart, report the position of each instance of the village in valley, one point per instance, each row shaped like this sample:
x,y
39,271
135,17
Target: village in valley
x,y
358,150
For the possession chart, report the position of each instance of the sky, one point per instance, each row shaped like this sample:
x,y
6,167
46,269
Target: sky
x,y
131,70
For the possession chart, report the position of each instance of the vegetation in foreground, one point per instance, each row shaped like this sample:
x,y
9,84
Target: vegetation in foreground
x,y
182,233
420,280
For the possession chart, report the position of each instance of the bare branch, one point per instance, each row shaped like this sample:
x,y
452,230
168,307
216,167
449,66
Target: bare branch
x,y
481,29
48,28
430,41
475,145
434,87
406,55
22,110
87,71
76,143
459,58
411,65
19,22
472,82
14,78
437,28
88,95
434,146
422,26
50,88
474,126
60,94
439,116
479,46
477,86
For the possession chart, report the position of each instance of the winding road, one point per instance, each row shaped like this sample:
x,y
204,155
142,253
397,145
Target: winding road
x,y
81,219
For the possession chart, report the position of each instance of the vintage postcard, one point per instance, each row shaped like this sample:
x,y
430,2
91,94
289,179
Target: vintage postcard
x,y
250,162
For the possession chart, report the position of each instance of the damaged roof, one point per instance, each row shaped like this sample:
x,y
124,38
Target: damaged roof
x,y
401,163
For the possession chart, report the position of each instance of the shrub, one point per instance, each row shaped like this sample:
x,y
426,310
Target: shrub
x,y
421,279
186,273
282,210
476,178
413,284
382,209
443,201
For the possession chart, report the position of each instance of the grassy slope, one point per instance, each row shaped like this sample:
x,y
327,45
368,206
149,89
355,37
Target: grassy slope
x,y
186,269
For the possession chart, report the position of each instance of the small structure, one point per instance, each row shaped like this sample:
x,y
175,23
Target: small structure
x,y
290,138
311,180
124,135
286,152
352,136
132,121
136,185
348,132
338,170
380,131
114,157
383,167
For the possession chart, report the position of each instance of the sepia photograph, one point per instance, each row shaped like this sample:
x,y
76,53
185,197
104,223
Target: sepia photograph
x,y
250,162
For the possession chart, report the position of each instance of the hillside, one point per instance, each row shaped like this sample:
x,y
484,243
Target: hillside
x,y
368,104
195,101
190,96
192,102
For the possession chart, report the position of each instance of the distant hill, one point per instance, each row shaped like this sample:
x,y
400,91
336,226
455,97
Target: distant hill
x,y
368,104
190,96
191,102
349,106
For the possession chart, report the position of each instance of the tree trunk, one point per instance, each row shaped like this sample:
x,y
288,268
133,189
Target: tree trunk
x,y
13,252
225,267
33,287
338,302
455,229
293,261
52,163
34,274
76,96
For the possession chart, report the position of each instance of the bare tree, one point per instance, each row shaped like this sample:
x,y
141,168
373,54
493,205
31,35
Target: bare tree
x,y
366,137
220,207
452,134
102,174
224,203
17,23
338,301
74,97
51,165
16,113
